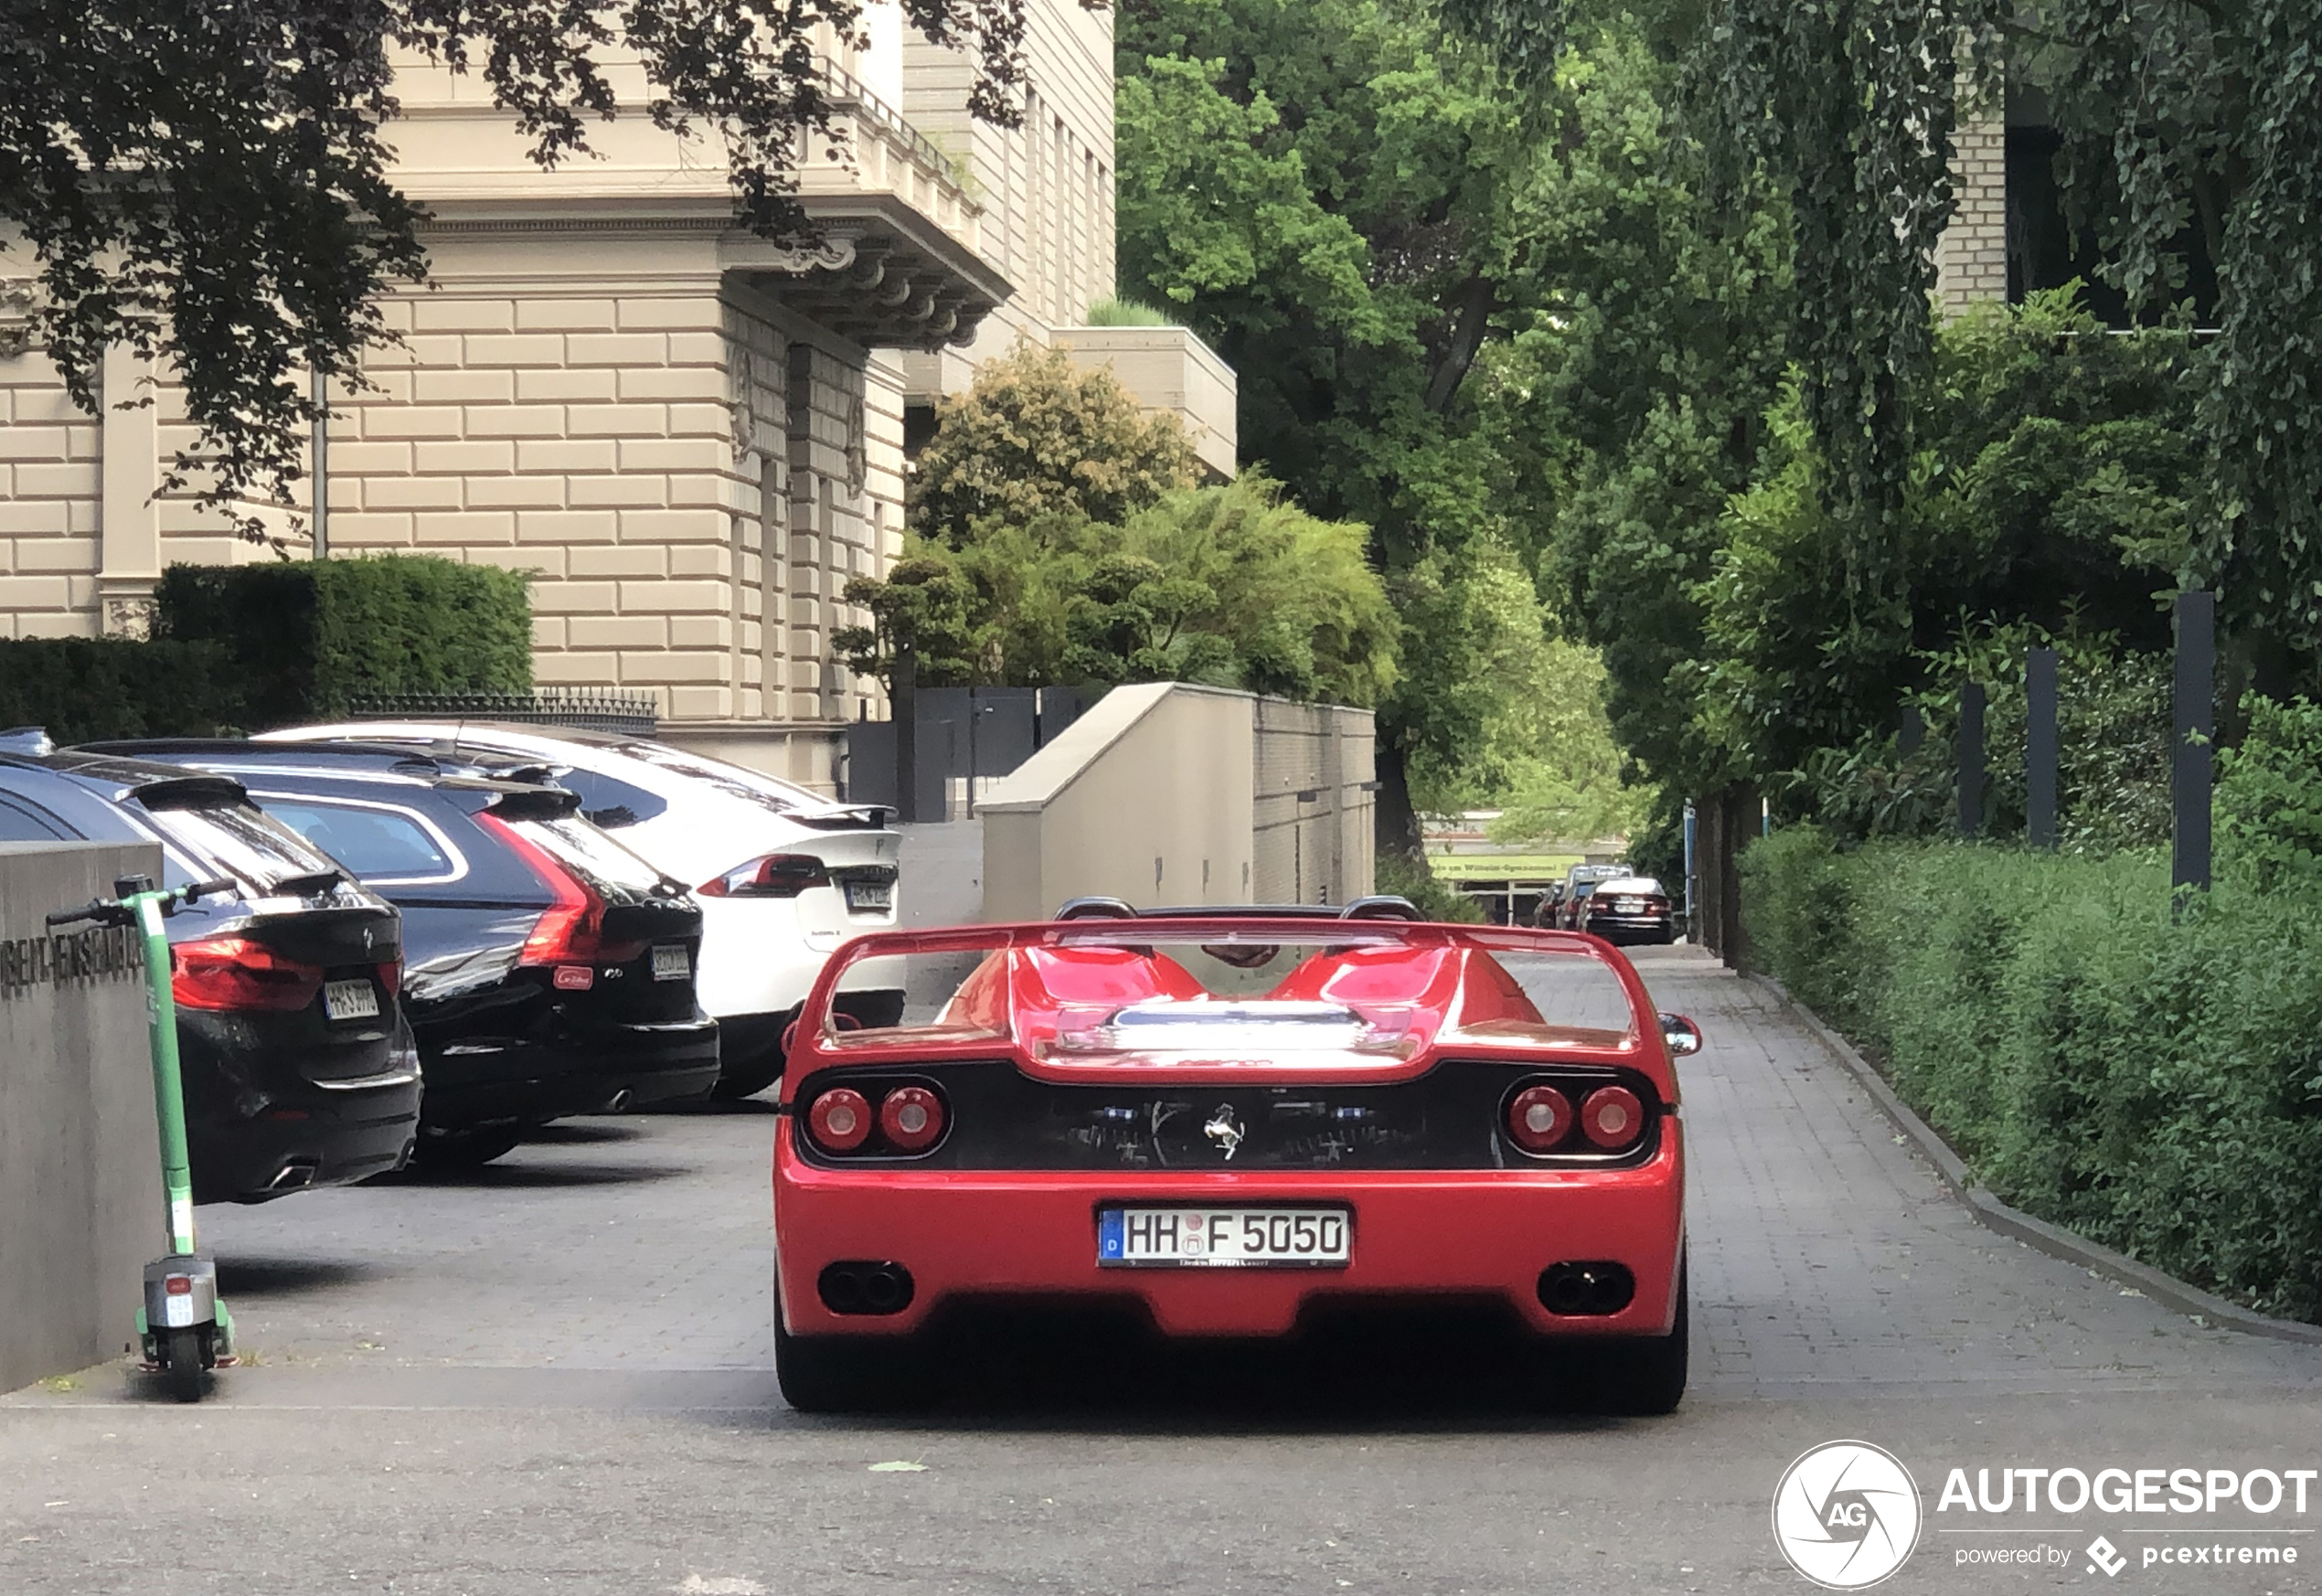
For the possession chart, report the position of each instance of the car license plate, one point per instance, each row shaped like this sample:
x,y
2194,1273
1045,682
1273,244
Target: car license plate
x,y
670,963
346,1000
1628,906
1224,1237
870,896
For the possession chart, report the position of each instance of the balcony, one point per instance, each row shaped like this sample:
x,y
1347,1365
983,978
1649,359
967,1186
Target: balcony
x,y
896,263
1168,369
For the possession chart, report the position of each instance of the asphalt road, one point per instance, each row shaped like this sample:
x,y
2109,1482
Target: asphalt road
x,y
551,1374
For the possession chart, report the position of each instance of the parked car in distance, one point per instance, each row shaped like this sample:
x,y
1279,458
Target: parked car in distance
x,y
1579,882
783,875
549,970
1630,908
298,1067
1551,905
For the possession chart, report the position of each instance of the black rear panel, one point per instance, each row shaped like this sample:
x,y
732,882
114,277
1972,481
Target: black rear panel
x,y
642,910
1449,1118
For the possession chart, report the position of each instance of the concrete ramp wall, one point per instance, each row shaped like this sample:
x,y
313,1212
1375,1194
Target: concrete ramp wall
x,y
80,1205
1167,794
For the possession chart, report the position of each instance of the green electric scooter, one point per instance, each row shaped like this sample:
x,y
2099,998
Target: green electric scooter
x,y
183,1327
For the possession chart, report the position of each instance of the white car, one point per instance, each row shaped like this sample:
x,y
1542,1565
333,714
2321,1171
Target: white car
x,y
784,874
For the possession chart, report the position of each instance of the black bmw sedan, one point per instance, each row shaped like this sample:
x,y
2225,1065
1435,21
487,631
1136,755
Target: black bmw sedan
x,y
548,971
299,1071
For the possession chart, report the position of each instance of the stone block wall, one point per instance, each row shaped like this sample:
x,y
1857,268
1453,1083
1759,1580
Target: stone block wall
x,y
1971,259
51,455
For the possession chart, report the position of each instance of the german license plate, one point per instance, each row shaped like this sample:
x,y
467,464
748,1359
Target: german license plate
x,y
870,896
1628,906
346,1000
1134,1238
670,963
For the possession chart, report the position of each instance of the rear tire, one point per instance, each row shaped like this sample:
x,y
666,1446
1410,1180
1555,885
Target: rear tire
x,y
181,1358
1644,1377
462,1149
846,1374
748,1079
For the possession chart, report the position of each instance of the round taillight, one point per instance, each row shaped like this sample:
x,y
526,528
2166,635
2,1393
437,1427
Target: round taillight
x,y
1612,1118
911,1117
840,1120
1538,1117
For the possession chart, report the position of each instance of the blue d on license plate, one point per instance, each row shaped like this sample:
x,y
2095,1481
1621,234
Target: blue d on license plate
x,y
1182,1237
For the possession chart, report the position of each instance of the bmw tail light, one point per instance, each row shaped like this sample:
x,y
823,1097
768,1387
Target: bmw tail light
x,y
769,876
840,1120
1540,1118
234,972
1612,1119
572,929
390,977
911,1119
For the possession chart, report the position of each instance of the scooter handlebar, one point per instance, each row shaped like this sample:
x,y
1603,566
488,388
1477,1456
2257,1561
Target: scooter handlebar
x,y
75,916
208,889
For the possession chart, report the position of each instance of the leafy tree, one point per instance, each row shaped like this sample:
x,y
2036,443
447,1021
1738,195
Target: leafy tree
x,y
1232,585
2197,122
1546,757
2051,489
1037,435
209,182
1629,416
1333,197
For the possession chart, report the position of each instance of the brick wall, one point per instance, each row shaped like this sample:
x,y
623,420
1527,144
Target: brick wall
x,y
1971,259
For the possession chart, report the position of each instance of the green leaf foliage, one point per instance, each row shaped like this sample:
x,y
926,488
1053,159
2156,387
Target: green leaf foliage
x,y
1232,585
2050,489
90,689
307,635
2155,1086
1355,211
1036,435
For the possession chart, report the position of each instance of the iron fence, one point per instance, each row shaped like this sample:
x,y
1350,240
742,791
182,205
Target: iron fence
x,y
581,708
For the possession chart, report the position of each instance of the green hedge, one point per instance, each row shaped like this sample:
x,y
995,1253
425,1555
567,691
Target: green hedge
x,y
2156,1086
241,648
86,689
309,636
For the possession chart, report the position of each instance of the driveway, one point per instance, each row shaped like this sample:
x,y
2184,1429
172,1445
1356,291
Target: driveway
x,y
552,1374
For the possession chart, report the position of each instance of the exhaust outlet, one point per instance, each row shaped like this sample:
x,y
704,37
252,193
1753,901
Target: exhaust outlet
x,y
618,1103
866,1288
1578,1290
291,1177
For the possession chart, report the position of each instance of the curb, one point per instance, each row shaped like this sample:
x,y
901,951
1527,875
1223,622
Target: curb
x,y
2053,1239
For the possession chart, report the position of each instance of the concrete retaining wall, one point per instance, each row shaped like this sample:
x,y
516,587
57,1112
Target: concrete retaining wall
x,y
80,1204
1164,793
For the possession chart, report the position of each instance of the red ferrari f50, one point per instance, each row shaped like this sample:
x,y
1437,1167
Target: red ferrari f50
x,y
1230,1119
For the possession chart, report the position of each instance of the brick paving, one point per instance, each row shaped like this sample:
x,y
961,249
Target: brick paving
x,y
1826,1257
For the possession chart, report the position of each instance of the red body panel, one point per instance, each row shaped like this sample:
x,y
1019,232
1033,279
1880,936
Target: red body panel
x,y
1465,1232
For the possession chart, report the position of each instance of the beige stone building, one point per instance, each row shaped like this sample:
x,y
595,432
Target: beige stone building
x,y
692,436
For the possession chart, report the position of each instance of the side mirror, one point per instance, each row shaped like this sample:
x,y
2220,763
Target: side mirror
x,y
1681,1034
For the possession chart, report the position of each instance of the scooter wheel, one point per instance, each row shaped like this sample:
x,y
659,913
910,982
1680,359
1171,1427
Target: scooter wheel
x,y
182,1356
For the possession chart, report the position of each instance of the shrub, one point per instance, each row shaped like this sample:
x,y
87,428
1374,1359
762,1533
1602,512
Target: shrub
x,y
2153,1084
308,636
87,689
1037,436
